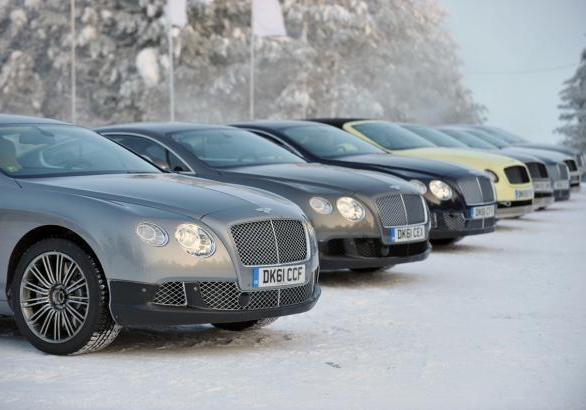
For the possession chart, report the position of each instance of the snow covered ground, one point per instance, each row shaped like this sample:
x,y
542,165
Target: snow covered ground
x,y
497,321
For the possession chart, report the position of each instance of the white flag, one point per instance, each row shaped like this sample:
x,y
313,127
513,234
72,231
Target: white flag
x,y
267,19
176,12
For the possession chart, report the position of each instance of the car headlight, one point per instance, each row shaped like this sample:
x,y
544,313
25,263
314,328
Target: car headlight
x,y
152,234
195,240
321,205
350,209
441,190
494,177
419,186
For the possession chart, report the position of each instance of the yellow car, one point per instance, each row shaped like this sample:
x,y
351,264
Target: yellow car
x,y
514,188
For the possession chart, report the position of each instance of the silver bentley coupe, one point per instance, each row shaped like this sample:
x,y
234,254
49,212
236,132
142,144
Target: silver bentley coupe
x,y
94,238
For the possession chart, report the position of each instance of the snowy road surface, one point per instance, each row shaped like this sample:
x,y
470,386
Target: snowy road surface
x,y
497,321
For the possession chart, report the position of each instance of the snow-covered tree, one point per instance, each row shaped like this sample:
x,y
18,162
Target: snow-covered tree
x,y
371,58
573,108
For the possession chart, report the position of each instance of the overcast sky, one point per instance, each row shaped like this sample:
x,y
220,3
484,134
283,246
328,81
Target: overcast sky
x,y
512,51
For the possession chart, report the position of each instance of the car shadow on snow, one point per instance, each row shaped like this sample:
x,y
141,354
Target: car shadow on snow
x,y
170,339
462,248
350,279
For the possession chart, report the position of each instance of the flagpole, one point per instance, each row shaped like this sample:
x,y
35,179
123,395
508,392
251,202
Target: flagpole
x,y
252,57
73,65
171,73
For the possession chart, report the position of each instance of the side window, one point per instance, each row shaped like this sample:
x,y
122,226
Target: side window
x,y
152,151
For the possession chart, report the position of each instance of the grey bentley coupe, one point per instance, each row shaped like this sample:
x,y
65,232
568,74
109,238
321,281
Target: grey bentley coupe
x,y
93,237
363,220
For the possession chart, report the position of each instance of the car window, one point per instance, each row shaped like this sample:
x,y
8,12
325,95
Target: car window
x,y
50,150
153,151
465,137
228,148
435,137
328,142
392,136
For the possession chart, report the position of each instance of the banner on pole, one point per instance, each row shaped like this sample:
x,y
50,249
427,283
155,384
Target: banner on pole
x,y
176,12
267,19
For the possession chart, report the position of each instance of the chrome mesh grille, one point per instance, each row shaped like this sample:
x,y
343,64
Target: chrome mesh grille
x,y
170,294
564,173
537,170
571,164
270,242
401,209
477,190
227,296
517,174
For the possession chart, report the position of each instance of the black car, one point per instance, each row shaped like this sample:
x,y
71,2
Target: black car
x,y
464,200
364,221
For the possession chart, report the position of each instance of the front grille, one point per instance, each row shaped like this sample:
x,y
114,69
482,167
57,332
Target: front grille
x,y
554,172
270,242
227,296
537,170
517,174
571,164
564,173
170,294
460,223
401,209
477,190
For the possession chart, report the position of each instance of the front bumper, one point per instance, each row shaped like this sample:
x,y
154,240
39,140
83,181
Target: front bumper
x,y
449,225
131,304
514,210
369,253
561,195
542,201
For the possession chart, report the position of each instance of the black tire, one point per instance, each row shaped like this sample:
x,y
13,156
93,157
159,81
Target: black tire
x,y
97,330
249,325
446,242
371,270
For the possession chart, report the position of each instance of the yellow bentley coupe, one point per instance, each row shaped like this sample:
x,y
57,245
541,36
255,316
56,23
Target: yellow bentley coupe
x,y
514,189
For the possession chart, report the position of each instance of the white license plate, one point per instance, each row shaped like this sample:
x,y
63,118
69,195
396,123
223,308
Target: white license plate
x,y
278,276
523,193
481,212
561,185
407,233
542,186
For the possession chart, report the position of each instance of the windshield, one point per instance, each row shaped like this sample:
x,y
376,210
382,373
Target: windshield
x,y
465,137
489,138
392,136
435,137
328,142
229,148
28,151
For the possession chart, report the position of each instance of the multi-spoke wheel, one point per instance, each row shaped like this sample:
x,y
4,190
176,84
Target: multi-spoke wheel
x,y
61,300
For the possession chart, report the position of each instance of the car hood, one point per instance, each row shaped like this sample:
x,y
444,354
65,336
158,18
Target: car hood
x,y
474,159
314,178
550,147
529,155
542,153
189,196
431,168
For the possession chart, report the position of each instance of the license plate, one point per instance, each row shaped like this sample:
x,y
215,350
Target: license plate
x,y
523,193
542,185
278,276
481,212
561,185
407,233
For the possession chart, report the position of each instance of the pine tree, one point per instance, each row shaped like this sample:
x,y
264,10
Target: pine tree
x,y
573,108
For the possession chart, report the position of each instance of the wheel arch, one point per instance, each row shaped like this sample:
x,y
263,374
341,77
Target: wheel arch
x,y
38,234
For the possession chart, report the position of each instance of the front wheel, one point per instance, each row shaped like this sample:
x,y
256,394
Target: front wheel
x,y
60,299
249,325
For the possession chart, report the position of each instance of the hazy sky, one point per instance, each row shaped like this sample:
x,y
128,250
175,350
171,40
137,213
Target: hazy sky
x,y
512,51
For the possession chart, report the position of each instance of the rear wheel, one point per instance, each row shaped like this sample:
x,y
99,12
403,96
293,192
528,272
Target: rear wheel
x,y
249,325
60,299
448,241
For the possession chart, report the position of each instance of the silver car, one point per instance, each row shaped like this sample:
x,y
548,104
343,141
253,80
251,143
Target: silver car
x,y
94,238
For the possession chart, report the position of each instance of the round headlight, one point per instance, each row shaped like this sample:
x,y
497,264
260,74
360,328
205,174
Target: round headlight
x,y
494,177
351,209
321,205
419,186
152,234
195,240
441,190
